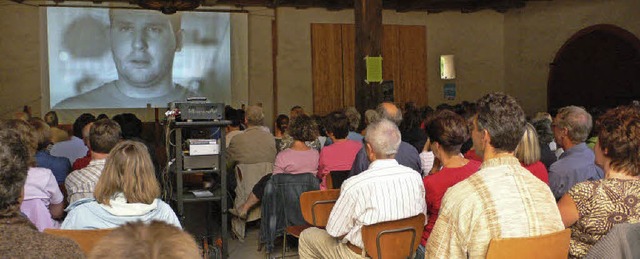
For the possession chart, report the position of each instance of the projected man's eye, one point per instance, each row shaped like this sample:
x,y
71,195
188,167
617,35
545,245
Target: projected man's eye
x,y
125,28
154,29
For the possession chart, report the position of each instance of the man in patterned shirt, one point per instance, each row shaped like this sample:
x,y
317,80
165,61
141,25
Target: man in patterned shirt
x,y
503,199
386,191
103,136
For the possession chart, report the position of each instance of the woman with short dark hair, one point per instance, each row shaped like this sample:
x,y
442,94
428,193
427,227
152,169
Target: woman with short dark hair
x,y
592,208
446,132
341,154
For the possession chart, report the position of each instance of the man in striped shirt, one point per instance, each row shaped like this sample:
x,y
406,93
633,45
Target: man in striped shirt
x,y
503,199
103,136
387,191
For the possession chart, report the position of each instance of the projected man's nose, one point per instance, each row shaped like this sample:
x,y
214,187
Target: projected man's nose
x,y
140,40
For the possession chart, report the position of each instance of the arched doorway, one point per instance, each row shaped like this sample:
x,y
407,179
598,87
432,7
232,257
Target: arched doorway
x,y
597,67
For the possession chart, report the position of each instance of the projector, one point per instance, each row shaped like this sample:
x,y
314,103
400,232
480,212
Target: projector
x,y
199,108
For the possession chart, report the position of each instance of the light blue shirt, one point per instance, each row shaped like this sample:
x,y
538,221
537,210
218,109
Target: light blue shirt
x,y
355,136
574,166
72,149
89,214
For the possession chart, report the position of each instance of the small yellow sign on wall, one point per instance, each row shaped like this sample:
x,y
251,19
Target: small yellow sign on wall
x,y
374,69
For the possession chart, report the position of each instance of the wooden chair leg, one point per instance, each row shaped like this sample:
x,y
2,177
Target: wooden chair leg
x,y
284,244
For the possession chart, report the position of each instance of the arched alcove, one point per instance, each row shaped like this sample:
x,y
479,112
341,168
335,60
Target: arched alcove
x,y
599,66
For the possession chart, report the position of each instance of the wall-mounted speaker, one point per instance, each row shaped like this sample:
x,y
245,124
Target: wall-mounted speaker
x,y
447,67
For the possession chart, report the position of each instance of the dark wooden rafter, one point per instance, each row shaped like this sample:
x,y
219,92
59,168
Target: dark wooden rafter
x,y
432,6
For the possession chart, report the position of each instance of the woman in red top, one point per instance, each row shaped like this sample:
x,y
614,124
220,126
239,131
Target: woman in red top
x,y
447,131
528,152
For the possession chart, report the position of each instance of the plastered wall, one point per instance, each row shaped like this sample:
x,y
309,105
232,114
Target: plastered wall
x,y
533,36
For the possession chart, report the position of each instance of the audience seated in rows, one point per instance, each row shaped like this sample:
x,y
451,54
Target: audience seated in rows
x,y
126,191
386,191
103,136
592,208
297,159
407,155
528,153
73,148
570,129
20,238
340,155
502,199
156,239
59,166
447,131
42,199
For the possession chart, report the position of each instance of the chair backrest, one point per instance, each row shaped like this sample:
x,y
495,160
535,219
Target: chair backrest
x,y
335,179
551,246
316,206
393,239
86,238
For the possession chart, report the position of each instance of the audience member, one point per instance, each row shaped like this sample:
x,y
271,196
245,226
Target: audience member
x,y
411,131
102,116
85,160
59,166
341,154
254,145
234,128
592,208
298,159
146,241
103,136
20,238
42,199
503,199
74,148
57,134
571,128
354,120
281,125
127,191
368,198
407,155
295,111
545,137
528,153
287,140
131,128
369,117
447,132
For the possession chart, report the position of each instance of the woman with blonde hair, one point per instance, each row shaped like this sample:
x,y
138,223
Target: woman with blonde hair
x,y
126,191
528,153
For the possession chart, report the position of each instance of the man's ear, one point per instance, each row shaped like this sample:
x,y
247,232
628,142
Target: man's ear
x,y
486,138
179,39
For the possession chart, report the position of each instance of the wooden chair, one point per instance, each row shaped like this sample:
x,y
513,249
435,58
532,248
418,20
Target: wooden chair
x,y
335,179
316,207
551,246
86,238
393,239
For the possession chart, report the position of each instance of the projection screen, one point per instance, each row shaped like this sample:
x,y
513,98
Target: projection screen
x,y
119,58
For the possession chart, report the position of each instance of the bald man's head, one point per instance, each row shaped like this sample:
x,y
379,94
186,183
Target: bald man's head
x,y
390,112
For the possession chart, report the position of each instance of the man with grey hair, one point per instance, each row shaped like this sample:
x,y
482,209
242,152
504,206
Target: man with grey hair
x,y
571,128
371,197
407,154
255,145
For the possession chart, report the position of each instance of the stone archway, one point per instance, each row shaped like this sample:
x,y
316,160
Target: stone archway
x,y
599,66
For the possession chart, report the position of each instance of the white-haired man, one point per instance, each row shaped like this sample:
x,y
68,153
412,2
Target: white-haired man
x,y
386,191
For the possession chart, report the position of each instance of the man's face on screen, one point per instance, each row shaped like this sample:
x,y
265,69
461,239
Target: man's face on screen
x,y
143,46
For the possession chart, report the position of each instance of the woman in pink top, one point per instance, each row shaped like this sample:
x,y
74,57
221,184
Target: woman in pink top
x,y
43,200
446,132
528,152
297,159
339,155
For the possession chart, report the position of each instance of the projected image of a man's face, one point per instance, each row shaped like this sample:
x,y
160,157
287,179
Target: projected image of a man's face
x,y
143,46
